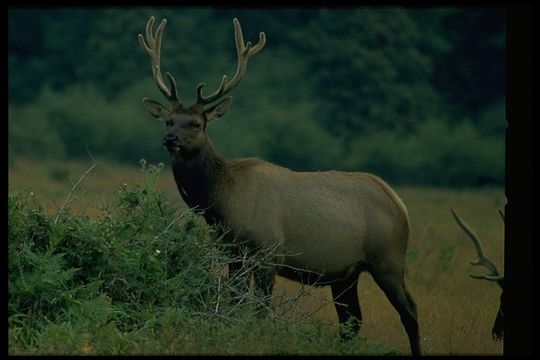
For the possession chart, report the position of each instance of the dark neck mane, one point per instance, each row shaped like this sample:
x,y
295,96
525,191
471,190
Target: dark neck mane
x,y
198,178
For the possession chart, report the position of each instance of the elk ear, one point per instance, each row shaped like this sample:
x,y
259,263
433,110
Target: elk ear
x,y
156,109
218,110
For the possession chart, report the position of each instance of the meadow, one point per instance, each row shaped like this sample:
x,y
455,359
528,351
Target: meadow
x,y
456,312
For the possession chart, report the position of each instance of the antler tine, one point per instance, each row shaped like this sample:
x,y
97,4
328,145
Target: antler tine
x,y
260,44
244,52
502,214
152,47
149,30
482,259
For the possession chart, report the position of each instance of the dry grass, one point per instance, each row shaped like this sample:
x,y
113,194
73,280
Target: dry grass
x,y
456,313
51,181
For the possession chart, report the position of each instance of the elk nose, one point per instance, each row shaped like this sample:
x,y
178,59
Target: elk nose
x,y
169,139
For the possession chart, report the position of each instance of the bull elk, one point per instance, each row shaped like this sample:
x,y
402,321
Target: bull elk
x,y
329,225
498,327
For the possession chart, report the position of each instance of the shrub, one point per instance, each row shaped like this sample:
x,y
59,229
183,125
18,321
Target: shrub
x,y
81,120
435,154
139,255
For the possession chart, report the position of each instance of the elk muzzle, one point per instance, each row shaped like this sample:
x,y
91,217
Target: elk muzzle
x,y
170,140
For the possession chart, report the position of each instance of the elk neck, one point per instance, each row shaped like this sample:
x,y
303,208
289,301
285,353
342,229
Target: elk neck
x,y
198,178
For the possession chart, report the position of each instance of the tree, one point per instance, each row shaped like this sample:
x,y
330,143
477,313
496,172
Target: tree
x,y
372,73
470,74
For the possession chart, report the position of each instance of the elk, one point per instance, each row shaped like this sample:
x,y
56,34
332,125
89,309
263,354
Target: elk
x,y
330,225
497,331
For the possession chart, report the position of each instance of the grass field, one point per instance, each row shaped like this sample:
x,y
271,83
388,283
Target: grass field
x,y
456,312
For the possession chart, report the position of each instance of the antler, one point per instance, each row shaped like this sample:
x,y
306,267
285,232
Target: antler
x,y
244,52
153,49
482,259
501,213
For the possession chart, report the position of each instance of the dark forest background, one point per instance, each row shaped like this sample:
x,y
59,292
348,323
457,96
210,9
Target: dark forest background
x,y
415,95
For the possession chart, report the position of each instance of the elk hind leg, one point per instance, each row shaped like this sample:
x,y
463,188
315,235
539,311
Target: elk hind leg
x,y
393,285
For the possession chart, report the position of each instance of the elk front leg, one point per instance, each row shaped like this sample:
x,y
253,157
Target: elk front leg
x,y
264,284
238,274
345,296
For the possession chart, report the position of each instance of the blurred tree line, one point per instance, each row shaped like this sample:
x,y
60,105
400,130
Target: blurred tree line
x,y
415,95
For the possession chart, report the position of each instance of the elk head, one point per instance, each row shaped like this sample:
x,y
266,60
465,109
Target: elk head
x,y
186,125
498,328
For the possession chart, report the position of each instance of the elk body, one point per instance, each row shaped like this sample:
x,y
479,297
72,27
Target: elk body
x,y
497,331
330,225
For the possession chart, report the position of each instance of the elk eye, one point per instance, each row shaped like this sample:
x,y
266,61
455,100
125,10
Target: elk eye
x,y
193,125
168,123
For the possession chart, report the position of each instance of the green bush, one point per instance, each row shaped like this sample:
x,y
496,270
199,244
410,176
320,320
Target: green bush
x,y
435,153
139,255
80,120
30,134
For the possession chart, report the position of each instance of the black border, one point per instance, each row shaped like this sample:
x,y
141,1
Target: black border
x,y
519,312
519,297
